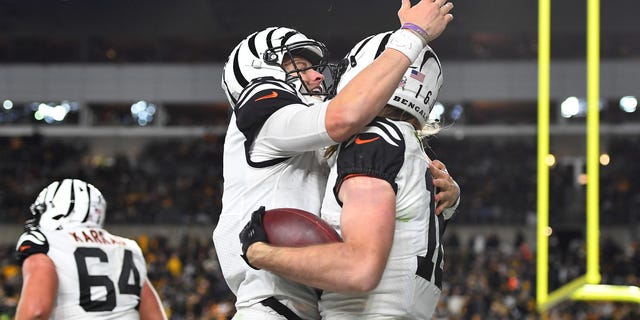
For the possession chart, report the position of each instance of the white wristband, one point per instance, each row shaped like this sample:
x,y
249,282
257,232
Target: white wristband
x,y
407,42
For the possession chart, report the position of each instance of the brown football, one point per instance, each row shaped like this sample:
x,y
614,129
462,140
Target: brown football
x,y
296,228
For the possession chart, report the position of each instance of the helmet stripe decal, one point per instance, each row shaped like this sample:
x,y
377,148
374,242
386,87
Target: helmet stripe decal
x,y
428,55
383,44
286,37
352,59
237,72
86,215
269,36
364,43
252,45
72,203
53,196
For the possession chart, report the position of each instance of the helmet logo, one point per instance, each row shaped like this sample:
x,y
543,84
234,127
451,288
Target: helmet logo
x,y
415,74
412,106
402,83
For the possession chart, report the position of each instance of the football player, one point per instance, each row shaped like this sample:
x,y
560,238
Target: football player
x,y
73,268
380,197
281,120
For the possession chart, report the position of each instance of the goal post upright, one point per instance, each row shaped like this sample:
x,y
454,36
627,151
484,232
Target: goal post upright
x,y
586,287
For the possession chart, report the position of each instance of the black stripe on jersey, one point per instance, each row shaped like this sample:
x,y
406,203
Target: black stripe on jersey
x,y
248,92
31,242
375,152
261,101
426,268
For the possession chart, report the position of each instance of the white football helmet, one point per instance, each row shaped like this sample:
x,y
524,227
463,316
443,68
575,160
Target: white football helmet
x,y
417,91
261,55
69,202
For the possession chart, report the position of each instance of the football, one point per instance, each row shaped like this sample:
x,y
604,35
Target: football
x,y
296,228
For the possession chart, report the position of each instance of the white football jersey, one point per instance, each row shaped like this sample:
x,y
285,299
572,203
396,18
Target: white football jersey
x,y
100,275
272,158
411,282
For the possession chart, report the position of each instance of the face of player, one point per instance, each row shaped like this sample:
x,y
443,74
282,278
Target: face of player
x,y
311,78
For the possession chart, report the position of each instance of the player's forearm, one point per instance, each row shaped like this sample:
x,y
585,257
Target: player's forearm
x,y
334,266
40,284
150,305
365,95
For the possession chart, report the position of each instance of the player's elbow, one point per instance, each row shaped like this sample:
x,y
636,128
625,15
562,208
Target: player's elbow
x,y
341,125
365,279
35,311
365,283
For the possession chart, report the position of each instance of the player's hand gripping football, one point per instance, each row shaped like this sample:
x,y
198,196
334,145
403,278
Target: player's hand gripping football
x,y
253,232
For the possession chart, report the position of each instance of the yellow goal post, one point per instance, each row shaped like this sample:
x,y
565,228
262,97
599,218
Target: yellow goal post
x,y
588,286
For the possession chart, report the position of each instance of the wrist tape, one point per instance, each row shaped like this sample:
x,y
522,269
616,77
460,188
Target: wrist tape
x,y
407,42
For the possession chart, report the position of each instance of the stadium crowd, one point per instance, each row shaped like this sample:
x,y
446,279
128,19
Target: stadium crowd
x,y
178,182
485,278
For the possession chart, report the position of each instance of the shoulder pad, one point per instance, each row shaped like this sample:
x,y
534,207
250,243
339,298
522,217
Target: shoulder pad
x,y
31,241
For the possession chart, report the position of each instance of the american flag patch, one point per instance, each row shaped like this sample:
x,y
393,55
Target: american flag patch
x,y
417,75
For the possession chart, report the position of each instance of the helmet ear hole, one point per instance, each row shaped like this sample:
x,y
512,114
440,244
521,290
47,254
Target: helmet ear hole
x,y
37,209
270,57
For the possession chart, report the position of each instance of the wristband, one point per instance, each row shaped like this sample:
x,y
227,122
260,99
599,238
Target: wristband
x,y
419,31
408,42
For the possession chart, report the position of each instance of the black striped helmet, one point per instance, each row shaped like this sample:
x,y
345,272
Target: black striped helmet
x,y
417,91
261,55
69,202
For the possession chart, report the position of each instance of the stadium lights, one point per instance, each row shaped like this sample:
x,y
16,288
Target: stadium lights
x,y
143,112
628,104
7,104
52,112
456,113
576,107
550,160
571,107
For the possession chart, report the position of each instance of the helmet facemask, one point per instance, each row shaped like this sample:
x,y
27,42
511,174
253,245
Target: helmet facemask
x,y
261,55
314,52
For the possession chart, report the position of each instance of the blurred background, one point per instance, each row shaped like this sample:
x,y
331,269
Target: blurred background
x,y
126,95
